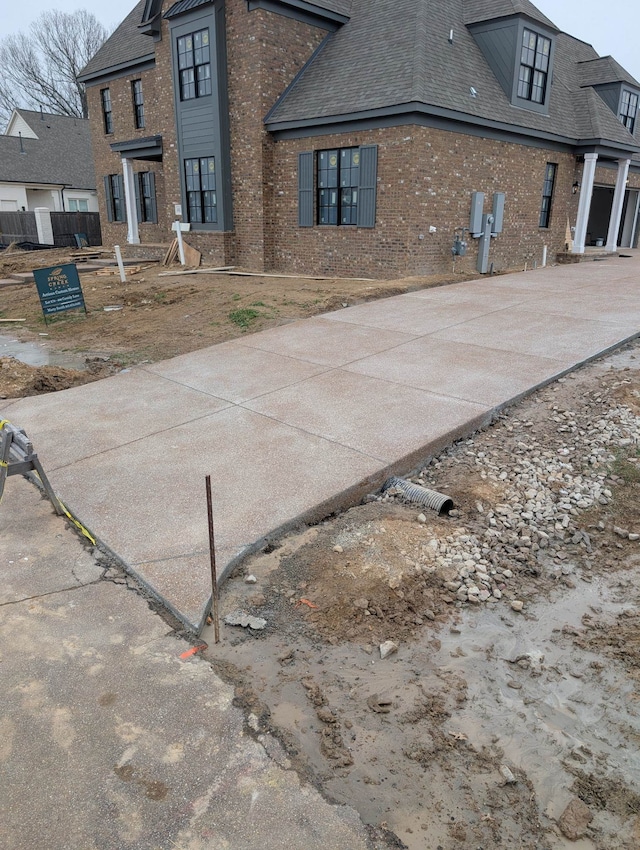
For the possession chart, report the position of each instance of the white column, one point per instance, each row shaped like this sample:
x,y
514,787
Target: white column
x,y
618,200
584,204
133,237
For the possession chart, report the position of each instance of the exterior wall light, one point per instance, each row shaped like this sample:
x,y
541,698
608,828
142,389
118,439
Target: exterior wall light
x,y
575,187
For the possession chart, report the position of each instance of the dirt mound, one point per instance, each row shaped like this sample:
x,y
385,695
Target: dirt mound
x,y
18,379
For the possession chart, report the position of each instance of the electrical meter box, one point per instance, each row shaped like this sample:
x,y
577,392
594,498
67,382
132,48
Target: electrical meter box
x,y
498,212
477,206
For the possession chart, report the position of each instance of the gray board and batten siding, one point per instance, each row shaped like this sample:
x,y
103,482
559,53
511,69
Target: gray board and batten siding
x,y
202,123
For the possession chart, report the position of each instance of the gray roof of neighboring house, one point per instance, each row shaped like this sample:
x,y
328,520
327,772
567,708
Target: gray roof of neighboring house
x,y
605,69
396,56
476,11
60,155
126,45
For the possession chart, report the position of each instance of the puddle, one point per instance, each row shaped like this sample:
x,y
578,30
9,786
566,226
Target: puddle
x,y
37,354
561,708
424,769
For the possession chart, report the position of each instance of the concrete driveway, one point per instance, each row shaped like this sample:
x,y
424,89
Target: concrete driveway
x,y
302,419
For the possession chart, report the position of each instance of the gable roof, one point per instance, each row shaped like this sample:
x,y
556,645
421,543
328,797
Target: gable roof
x,y
60,155
127,45
395,58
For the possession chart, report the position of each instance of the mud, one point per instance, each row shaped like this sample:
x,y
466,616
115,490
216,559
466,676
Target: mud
x,y
488,721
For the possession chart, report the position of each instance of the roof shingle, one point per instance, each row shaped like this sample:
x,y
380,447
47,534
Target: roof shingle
x,y
392,55
126,45
60,155
604,70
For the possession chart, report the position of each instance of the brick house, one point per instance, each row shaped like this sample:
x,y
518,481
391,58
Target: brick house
x,y
355,137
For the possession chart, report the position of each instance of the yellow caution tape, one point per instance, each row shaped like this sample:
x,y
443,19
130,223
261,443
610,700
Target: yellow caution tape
x,y
77,524
75,521
67,513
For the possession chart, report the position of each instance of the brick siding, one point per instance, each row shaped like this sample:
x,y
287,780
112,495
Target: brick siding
x,y
425,179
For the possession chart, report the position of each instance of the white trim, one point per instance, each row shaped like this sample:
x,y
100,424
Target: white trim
x,y
618,201
584,204
133,236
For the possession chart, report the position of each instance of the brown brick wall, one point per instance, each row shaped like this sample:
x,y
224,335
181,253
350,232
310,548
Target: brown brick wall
x,y
264,52
425,178
607,177
108,162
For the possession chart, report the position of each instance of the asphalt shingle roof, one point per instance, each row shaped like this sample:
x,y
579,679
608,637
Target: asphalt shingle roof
x,y
476,11
127,44
391,55
604,70
342,7
60,155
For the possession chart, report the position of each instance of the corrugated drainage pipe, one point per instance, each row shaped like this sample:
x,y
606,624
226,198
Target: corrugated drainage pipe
x,y
422,495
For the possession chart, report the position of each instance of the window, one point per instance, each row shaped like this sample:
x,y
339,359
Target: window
x,y
105,96
534,66
138,104
202,202
547,194
146,196
629,109
77,205
114,194
194,65
338,186
338,182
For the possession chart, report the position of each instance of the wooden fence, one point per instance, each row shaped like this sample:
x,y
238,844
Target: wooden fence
x,y
21,227
17,227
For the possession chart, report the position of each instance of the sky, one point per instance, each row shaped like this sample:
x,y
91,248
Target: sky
x,y
611,27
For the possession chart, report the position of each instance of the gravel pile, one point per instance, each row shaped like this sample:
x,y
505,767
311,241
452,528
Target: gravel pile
x,y
553,475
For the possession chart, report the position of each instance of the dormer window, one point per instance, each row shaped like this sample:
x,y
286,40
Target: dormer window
x,y
628,109
534,66
519,49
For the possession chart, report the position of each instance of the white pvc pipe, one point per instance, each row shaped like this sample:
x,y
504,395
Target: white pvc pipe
x,y
123,277
544,256
180,245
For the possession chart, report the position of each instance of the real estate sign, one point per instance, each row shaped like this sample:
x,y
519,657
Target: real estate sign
x,y
59,289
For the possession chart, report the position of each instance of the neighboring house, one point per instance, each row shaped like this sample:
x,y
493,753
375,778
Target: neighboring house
x,y
46,161
348,137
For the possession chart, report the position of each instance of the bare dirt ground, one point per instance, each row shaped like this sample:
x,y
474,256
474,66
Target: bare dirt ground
x,y
508,715
163,314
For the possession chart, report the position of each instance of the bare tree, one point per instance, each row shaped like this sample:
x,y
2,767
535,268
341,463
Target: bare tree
x,y
40,69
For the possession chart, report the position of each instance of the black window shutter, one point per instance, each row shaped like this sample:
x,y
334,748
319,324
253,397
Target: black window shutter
x,y
137,179
108,198
123,206
152,189
368,186
305,189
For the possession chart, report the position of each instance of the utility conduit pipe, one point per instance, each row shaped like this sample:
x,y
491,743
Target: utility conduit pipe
x,y
421,495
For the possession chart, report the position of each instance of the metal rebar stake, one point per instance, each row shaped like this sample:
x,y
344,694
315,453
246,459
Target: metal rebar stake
x,y
212,555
